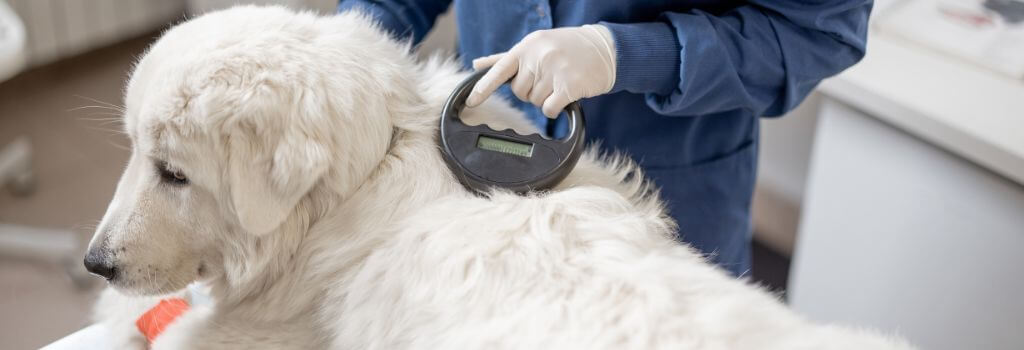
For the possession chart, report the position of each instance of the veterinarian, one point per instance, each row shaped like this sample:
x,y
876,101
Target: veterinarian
x,y
678,85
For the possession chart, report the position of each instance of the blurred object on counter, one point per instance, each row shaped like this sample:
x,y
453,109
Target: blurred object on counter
x,y
989,33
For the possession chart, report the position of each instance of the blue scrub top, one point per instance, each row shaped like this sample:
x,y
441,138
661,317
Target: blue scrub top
x,y
692,79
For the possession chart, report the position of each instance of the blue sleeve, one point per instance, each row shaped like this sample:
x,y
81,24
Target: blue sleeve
x,y
402,18
764,57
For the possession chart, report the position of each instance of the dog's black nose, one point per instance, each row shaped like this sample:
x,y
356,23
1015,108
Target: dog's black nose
x,y
96,264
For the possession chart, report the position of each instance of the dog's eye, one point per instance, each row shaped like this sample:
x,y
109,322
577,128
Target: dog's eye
x,y
171,175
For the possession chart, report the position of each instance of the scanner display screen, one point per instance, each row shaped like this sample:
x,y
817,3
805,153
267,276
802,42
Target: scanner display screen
x,y
505,146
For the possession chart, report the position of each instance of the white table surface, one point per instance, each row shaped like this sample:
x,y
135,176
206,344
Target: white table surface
x,y
957,106
89,338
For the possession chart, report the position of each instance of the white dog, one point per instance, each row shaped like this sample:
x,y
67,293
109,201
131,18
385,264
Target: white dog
x,y
289,162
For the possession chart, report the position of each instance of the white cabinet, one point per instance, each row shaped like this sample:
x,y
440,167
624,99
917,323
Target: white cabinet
x,y
913,214
903,236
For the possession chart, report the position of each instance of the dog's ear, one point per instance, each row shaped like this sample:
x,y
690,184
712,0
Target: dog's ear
x,y
267,184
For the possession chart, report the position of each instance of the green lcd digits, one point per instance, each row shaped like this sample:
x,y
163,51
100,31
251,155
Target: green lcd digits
x,y
504,146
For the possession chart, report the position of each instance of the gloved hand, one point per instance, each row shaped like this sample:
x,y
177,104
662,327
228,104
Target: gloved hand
x,y
552,68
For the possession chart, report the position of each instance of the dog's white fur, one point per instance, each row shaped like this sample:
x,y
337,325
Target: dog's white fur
x,y
320,214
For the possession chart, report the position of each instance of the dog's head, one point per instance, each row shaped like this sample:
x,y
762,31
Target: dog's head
x,y
237,118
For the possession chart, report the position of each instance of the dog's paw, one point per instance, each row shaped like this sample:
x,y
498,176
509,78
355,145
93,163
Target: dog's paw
x,y
195,330
119,339
118,313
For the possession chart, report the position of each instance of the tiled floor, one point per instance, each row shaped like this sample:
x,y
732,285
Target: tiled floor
x,y
78,159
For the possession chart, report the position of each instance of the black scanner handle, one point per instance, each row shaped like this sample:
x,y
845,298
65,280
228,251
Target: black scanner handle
x,y
550,163
457,102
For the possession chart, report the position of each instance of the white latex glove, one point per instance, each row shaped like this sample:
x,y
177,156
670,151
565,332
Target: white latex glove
x,y
552,68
